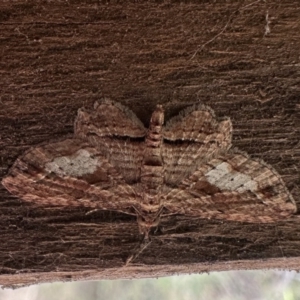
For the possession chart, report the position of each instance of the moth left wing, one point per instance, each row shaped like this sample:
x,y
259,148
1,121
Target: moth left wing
x,y
69,173
117,133
232,187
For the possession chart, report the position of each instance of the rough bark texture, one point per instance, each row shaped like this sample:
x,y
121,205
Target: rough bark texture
x,y
239,57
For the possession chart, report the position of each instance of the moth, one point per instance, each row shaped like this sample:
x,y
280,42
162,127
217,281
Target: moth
x,y
185,167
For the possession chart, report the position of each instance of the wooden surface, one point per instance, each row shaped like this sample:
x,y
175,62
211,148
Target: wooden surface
x,y
239,57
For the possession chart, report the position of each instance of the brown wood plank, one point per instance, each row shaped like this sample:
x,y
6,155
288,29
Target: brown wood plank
x,y
58,57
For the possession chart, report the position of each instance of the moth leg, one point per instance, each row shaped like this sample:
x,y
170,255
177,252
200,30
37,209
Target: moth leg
x,y
91,211
141,247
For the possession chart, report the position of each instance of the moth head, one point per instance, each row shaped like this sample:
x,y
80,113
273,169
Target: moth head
x,y
157,117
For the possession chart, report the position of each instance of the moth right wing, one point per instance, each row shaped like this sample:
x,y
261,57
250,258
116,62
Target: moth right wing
x,y
232,187
190,139
117,133
69,173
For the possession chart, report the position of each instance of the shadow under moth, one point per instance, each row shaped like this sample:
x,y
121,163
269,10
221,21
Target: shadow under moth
x,y
185,167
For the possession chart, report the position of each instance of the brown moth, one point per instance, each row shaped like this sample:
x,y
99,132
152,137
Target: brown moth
x,y
186,167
